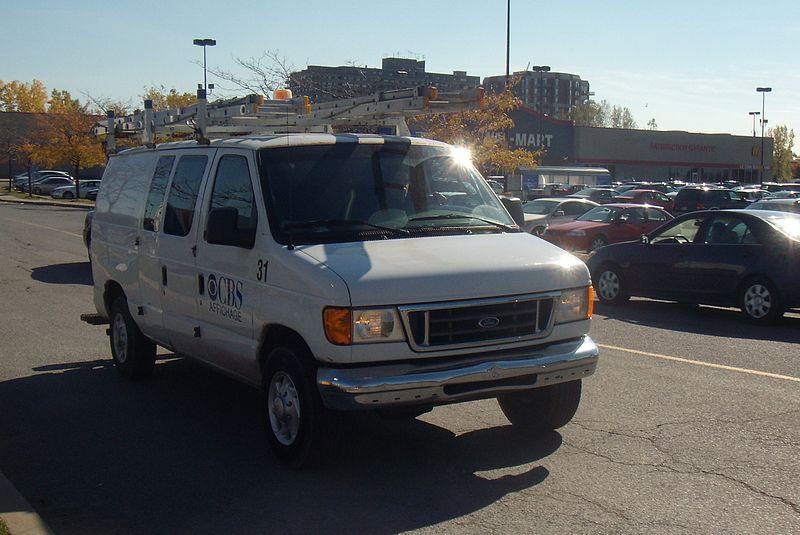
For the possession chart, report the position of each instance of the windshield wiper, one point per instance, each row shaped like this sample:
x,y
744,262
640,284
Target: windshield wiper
x,y
339,223
464,216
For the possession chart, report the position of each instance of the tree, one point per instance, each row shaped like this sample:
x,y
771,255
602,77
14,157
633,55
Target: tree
x,y
601,114
621,117
482,130
266,73
64,135
783,140
22,97
167,99
652,124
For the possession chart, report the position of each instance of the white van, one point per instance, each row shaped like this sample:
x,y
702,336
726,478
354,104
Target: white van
x,y
338,272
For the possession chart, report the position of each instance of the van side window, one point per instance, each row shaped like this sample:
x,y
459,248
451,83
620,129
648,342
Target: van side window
x,y
183,195
233,189
157,189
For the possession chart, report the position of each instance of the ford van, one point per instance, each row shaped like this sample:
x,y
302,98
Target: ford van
x,y
338,273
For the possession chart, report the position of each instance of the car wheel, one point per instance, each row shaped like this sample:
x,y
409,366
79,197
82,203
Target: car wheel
x,y
610,285
760,302
538,231
134,355
597,242
68,195
293,410
37,191
542,409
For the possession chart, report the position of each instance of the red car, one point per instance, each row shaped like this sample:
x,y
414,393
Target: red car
x,y
645,196
609,223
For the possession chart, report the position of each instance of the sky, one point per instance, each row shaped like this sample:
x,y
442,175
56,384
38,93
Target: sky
x,y
690,65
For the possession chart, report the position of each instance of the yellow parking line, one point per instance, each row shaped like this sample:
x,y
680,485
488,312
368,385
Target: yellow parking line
x,y
701,363
43,226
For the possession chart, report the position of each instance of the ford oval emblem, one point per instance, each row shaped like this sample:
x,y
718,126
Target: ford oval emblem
x,y
489,322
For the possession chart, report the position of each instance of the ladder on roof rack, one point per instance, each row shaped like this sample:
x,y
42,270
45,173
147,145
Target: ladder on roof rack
x,y
252,115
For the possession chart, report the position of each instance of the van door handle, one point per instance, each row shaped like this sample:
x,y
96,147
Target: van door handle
x,y
164,275
201,283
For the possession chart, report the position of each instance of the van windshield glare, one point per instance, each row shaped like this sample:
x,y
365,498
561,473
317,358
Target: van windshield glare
x,y
377,189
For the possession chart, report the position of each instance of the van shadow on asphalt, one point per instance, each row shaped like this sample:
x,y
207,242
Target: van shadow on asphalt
x,y
68,273
713,321
184,452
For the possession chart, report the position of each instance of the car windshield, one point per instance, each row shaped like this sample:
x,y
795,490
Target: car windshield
x,y
602,214
362,191
540,207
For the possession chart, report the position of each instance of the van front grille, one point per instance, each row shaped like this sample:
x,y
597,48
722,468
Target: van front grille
x,y
481,322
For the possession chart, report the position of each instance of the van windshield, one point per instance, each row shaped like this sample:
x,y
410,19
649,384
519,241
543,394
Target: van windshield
x,y
361,191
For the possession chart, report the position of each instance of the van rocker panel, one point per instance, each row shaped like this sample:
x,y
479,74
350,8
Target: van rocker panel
x,y
478,377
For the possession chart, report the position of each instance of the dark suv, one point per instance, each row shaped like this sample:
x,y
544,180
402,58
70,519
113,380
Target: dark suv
x,y
690,199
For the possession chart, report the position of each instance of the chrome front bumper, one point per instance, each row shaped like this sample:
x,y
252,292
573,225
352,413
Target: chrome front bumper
x,y
474,377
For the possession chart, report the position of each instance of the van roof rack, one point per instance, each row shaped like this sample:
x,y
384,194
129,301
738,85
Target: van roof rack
x,y
253,115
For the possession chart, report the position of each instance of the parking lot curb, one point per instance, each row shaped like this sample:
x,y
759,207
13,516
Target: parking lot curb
x,y
17,513
61,204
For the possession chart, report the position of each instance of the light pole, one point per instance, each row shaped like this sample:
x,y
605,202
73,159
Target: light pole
x,y
508,40
754,113
763,91
204,43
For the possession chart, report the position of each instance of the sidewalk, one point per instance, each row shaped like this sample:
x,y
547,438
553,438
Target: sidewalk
x,y
6,197
17,513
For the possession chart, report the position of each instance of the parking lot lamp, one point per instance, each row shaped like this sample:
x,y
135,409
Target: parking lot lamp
x,y
763,91
204,43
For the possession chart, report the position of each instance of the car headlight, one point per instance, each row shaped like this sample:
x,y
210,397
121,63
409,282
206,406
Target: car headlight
x,y
575,305
346,326
576,232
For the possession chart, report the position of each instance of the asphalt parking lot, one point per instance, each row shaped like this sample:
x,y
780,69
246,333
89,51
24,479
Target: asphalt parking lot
x,y
691,425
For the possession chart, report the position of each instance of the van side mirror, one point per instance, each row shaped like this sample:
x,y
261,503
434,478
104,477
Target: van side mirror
x,y
514,207
559,213
223,229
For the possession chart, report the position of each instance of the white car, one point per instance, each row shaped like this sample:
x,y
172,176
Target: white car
x,y
68,192
331,273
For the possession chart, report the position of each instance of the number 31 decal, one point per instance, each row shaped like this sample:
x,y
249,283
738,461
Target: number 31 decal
x,y
261,270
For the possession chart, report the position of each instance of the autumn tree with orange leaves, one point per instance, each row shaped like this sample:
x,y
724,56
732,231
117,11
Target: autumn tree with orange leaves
x,y
483,131
62,135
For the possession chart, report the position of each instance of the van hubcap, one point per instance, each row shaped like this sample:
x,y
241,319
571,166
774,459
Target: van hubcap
x,y
608,285
757,301
120,338
283,405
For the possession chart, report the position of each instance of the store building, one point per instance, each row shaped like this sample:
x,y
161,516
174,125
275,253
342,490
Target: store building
x,y
643,154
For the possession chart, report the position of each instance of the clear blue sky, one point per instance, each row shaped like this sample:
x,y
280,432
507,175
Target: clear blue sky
x,y
691,65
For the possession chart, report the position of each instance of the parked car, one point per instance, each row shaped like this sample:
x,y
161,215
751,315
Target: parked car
x,y
92,195
598,195
540,213
646,196
780,205
690,199
20,181
602,225
744,258
48,184
786,194
753,194
68,192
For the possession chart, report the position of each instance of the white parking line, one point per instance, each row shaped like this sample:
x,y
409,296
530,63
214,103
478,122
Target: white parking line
x,y
44,226
701,363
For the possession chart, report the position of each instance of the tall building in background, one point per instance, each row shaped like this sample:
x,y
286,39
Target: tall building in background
x,y
551,93
322,83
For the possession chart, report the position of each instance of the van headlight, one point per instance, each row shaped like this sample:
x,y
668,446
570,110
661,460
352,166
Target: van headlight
x,y
575,305
346,326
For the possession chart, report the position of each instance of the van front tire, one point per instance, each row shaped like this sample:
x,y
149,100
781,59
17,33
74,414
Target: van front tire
x,y
542,409
134,355
293,413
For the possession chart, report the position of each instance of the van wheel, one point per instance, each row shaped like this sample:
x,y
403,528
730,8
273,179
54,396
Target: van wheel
x,y
760,302
68,195
293,411
610,285
542,409
133,353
